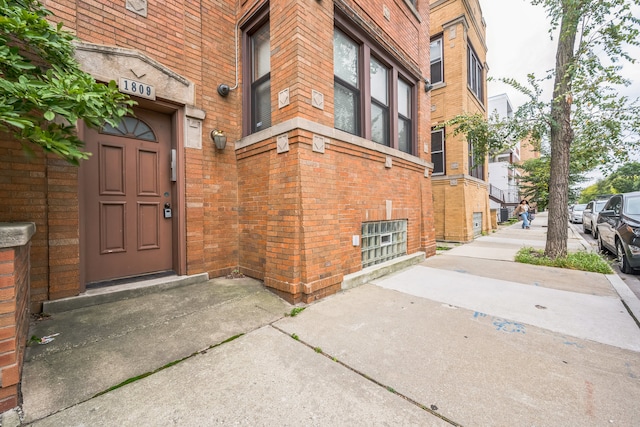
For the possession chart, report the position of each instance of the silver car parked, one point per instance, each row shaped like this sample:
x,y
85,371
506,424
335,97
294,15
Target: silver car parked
x,y
590,216
575,214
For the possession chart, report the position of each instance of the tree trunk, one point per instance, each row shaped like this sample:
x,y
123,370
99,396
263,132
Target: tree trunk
x,y
561,134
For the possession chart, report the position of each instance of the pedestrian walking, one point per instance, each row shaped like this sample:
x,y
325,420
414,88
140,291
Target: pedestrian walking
x,y
523,213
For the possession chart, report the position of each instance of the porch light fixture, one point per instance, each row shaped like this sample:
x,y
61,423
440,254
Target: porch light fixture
x,y
427,85
219,138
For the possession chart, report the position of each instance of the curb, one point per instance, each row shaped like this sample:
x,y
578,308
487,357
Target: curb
x,y
631,302
586,245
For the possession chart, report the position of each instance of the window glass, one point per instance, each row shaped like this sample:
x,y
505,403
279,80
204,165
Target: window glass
x,y
345,58
260,45
404,116
476,166
437,72
345,109
346,83
437,151
379,82
633,206
404,99
262,104
404,136
379,124
130,127
261,79
475,74
614,204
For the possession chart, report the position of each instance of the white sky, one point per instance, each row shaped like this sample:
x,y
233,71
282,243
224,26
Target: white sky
x,y
519,43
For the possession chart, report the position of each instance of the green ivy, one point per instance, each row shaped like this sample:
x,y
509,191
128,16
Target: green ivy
x,y
43,91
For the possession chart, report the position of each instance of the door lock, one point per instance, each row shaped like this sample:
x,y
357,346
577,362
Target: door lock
x,y
167,210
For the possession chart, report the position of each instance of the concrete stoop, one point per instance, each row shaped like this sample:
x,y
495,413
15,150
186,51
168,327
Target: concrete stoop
x,y
123,291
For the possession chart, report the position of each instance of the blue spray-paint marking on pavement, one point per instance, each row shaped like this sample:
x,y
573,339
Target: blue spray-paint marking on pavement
x,y
503,325
573,343
509,326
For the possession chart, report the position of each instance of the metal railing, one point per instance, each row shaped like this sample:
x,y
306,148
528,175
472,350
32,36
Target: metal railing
x,y
502,196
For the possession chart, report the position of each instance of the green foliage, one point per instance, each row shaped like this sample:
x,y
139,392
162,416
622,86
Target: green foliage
x,y
43,92
584,261
534,182
295,311
625,179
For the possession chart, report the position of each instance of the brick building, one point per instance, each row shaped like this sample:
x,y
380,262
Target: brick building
x,y
326,169
458,76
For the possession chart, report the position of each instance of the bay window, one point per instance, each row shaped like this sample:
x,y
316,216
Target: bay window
x,y
374,96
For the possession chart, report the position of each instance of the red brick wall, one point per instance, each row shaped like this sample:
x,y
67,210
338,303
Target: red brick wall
x,y
264,212
300,209
14,321
23,197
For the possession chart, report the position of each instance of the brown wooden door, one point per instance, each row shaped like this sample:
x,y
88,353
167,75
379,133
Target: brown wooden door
x,y
126,184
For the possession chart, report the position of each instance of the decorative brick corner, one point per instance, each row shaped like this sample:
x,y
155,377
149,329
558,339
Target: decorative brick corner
x,y
15,244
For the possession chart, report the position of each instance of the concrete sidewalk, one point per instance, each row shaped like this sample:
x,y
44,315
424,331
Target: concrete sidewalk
x,y
468,337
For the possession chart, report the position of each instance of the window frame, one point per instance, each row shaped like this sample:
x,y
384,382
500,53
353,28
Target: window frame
x,y
402,118
475,170
475,74
356,91
248,96
441,152
369,48
440,38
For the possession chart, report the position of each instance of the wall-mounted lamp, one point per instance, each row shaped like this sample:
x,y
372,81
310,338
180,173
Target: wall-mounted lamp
x,y
427,85
219,138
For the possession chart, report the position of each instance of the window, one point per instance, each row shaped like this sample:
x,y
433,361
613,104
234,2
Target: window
x,y
476,166
130,127
346,72
437,151
379,76
373,97
475,74
437,68
260,79
256,73
404,116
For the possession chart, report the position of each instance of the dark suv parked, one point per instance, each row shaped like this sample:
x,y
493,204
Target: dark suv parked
x,y
619,229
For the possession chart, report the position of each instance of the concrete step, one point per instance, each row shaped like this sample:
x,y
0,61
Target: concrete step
x,y
120,292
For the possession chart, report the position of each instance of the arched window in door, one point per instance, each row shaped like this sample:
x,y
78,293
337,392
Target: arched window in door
x,y
132,128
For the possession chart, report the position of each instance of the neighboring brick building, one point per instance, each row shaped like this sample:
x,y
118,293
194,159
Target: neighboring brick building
x,y
326,170
458,75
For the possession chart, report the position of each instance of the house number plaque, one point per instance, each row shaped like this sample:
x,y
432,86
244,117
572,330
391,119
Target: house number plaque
x,y
133,87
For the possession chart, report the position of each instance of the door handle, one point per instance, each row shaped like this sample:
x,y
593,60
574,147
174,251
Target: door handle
x,y
173,163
